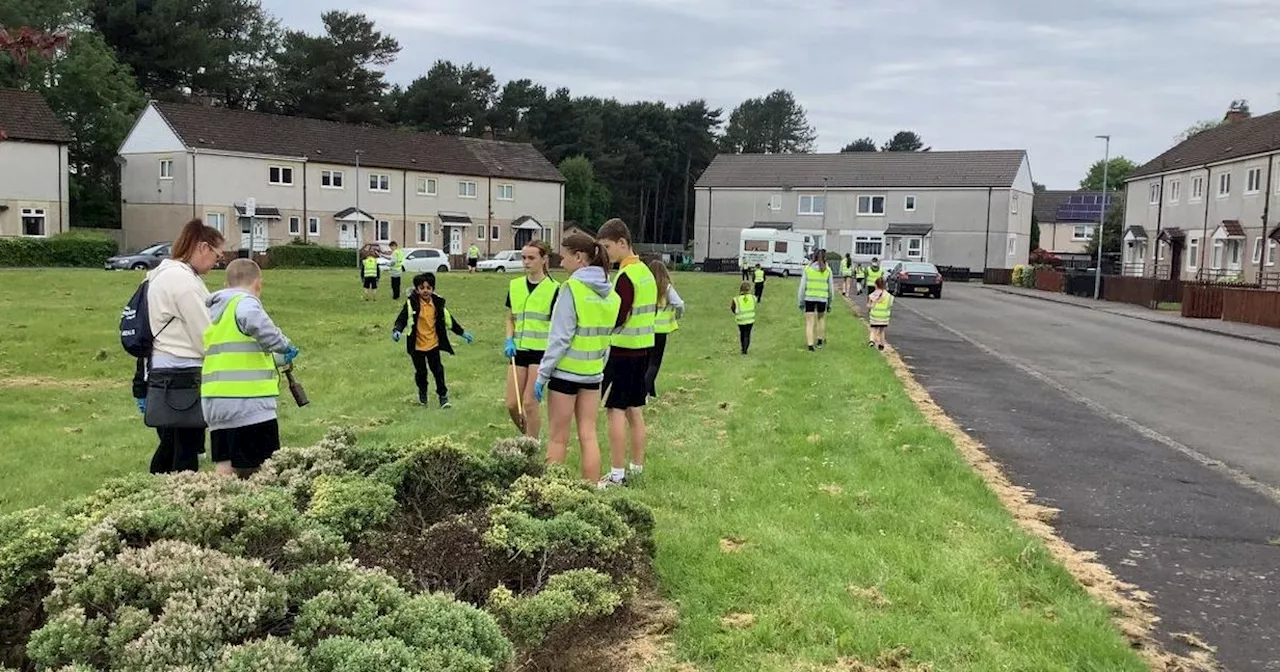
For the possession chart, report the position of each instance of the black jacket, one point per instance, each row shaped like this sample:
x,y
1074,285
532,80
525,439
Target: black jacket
x,y
410,321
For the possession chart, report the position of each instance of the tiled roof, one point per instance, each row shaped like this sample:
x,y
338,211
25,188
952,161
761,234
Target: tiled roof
x,y
205,127
994,168
1171,233
908,229
24,115
1138,232
1045,204
1230,140
1233,228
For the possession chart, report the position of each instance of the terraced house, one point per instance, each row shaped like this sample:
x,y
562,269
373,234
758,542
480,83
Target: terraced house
x,y
330,183
1206,209
34,190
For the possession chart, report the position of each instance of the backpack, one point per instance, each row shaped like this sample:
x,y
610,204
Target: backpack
x,y
135,324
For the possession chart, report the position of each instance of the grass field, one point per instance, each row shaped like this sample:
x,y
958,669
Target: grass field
x,y
807,512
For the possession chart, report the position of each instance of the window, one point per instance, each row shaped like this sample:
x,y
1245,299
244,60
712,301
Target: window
x,y
812,205
295,226
480,230
1257,250
1197,188
1253,181
1013,206
166,169
909,204
313,226
1082,232
33,222
868,246
1155,193
506,192
1175,191
1013,244
383,230
280,175
915,248
494,233
775,202
1224,185
1219,252
217,220
331,179
426,186
1271,253
466,189
870,205
1193,253
424,232
1235,254
780,246
379,182
755,246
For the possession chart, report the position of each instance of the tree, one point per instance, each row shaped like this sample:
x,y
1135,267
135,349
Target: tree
x,y
775,124
335,76
861,145
450,99
1197,128
1118,169
509,117
1037,187
586,201
1035,232
905,141
1111,231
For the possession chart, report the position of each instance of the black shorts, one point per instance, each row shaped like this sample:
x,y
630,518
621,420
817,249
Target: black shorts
x,y
371,283
525,358
245,447
472,262
624,382
815,306
569,387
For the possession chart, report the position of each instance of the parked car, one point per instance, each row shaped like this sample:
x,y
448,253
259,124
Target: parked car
x,y
146,259
914,277
420,260
503,262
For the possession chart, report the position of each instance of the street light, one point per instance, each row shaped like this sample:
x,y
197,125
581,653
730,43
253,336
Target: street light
x,y
1102,218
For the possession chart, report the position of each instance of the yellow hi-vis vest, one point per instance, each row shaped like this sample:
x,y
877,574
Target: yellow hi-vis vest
x,y
235,365
860,273
744,309
873,274
846,268
637,333
370,265
665,321
397,261
817,284
596,318
473,252
532,312
759,275
881,309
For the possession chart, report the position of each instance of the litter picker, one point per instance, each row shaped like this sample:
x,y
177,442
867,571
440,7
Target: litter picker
x,y
515,380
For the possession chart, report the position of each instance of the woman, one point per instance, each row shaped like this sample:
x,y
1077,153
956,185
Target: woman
x,y
816,289
529,302
176,296
582,322
670,310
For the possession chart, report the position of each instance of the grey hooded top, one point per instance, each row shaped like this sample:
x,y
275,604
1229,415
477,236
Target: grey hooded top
x,y
804,279
564,321
227,413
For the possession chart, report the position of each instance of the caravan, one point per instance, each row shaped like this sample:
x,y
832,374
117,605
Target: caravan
x,y
777,251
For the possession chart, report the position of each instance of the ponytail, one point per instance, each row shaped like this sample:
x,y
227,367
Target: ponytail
x,y
589,247
194,233
601,257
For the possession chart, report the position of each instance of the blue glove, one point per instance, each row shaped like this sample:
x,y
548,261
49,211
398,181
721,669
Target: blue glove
x,y
142,405
539,390
509,350
466,336
395,336
290,355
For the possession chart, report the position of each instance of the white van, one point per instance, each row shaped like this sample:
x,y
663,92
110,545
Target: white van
x,y
778,252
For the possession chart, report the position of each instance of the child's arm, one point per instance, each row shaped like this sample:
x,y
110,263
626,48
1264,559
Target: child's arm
x,y
402,320
804,278
452,324
564,320
255,323
733,305
674,300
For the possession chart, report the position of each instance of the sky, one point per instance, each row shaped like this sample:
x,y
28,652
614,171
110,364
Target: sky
x,y
1042,75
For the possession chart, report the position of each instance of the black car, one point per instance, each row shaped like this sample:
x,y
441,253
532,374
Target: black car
x,y
914,277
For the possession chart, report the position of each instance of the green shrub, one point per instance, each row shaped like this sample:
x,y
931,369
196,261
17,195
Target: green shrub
x,y
30,542
69,250
298,254
345,654
1018,271
567,598
349,505
265,655
556,512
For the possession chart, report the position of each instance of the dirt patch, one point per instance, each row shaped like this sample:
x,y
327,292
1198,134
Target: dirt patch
x,y
831,489
898,659
732,544
871,595
636,639
48,383
738,621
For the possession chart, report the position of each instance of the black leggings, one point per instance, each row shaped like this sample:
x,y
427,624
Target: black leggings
x,y
179,450
744,336
395,287
428,360
759,291
655,363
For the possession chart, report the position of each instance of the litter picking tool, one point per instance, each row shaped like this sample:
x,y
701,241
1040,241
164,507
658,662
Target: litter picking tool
x,y
515,380
295,388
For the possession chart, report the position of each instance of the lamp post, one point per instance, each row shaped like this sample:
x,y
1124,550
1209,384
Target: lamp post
x,y
1102,218
824,212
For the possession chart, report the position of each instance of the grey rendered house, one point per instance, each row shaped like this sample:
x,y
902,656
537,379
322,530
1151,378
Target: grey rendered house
x,y
1067,219
1206,208
34,192
330,183
967,209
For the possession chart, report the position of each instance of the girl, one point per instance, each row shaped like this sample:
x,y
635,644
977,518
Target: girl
x,y
816,290
582,322
670,310
879,306
846,273
529,302
743,307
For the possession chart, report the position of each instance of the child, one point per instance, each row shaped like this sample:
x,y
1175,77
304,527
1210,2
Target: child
x,y
239,382
582,322
879,306
816,290
428,335
860,277
397,269
759,278
369,274
670,310
846,274
629,352
743,307
529,302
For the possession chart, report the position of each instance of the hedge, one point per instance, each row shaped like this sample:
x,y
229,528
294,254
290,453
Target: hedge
x,y
310,255
75,250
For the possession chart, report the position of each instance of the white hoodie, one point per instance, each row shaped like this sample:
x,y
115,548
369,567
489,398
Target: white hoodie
x,y
176,302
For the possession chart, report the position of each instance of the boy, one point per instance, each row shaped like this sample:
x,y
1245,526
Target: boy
x,y
629,351
428,335
397,269
744,312
369,274
239,382
759,278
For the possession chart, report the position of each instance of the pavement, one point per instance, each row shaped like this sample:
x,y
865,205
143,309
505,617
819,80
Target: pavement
x,y
1157,443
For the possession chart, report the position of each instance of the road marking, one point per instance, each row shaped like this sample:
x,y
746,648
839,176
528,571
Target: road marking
x,y
1236,475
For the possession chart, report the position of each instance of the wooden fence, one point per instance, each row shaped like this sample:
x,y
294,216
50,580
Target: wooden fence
x,y
1202,301
1251,306
1050,280
998,276
1145,292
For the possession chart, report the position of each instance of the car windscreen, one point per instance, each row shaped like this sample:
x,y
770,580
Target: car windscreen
x,y
153,249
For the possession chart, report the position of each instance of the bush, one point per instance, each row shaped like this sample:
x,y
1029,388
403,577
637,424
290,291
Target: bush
x,y
349,505
67,250
298,254
567,598
1018,271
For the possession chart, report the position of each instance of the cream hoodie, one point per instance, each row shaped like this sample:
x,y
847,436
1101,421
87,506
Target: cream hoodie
x,y
176,292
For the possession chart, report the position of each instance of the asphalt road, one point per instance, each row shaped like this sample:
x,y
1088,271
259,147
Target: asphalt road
x,y
1158,444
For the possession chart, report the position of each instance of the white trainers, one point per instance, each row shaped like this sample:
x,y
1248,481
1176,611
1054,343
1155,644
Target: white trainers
x,y
610,482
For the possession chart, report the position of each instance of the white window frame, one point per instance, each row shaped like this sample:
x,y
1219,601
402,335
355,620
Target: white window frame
x,y
1013,203
380,183
295,225
281,172
1257,250
1218,258
506,192
382,230
1197,189
868,240
424,232
313,226
217,220
1193,254
332,179
166,169
427,186
1012,245
1224,184
909,203
775,202
1175,191
495,233
1234,247
813,200
1253,181
1154,193
35,213
466,189
918,252
1271,252
870,211
482,230
1088,232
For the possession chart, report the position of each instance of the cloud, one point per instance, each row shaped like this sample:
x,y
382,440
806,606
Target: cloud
x,y
1044,76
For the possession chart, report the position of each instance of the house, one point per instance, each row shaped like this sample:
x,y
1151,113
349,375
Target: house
x,y
967,209
34,189
330,183
1206,209
1067,220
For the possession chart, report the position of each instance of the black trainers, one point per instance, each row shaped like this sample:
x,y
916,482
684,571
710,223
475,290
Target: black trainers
x,y
821,343
811,348
444,402
422,397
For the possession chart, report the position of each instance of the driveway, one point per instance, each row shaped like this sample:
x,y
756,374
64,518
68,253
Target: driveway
x,y
1160,446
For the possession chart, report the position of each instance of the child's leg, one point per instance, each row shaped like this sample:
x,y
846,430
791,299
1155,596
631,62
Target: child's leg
x,y
808,329
759,291
420,373
655,364
746,337
437,372
822,325
220,445
635,420
617,440
532,414
587,407
560,409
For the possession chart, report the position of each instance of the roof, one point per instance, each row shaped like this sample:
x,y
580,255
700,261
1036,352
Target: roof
x,y
994,168
1230,140
1045,204
205,127
781,226
1071,206
24,115
1230,228
1171,233
1136,232
260,212
908,230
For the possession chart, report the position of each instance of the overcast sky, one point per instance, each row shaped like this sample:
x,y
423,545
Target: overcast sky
x,y
1041,75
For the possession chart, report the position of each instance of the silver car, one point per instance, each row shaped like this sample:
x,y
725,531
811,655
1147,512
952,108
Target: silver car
x,y
146,259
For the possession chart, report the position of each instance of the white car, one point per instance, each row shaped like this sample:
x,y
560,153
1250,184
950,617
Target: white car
x,y
503,262
421,260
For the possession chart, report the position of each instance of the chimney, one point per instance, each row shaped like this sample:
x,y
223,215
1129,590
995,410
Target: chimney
x,y
1234,115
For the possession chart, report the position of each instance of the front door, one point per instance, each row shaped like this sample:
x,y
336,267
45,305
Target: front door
x,y
347,235
1175,267
253,234
455,240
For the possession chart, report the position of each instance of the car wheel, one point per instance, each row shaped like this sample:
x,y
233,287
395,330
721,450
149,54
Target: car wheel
x,y
140,266
442,269
501,269
937,293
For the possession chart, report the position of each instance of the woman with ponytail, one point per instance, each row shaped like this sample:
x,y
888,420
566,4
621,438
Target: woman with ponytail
x,y
529,302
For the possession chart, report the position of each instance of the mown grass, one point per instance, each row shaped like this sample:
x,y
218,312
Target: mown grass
x,y
800,488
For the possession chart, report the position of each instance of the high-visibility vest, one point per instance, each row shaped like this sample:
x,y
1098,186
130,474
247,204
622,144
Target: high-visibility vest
x,y
860,273
881,309
637,333
874,274
596,318
397,260
235,365
816,284
532,312
473,252
665,321
744,309
370,267
759,275
845,267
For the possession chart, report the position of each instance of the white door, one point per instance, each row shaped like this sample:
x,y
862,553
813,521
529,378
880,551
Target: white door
x,y
253,232
347,235
455,240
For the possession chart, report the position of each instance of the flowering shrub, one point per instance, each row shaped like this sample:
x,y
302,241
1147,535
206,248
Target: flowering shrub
x,y
567,597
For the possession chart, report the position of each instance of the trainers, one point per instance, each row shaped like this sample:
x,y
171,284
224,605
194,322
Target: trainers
x,y
821,343
610,482
880,346
444,402
871,344
811,348
422,397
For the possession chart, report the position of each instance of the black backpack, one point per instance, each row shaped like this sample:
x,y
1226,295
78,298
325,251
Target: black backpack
x,y
135,324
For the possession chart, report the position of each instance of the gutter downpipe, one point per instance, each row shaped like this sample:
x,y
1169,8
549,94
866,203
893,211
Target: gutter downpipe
x,y
306,220
710,204
404,206
62,205
986,248
1204,234
1155,255
192,151
1266,215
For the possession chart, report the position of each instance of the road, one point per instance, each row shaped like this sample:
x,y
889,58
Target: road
x,y
1159,445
